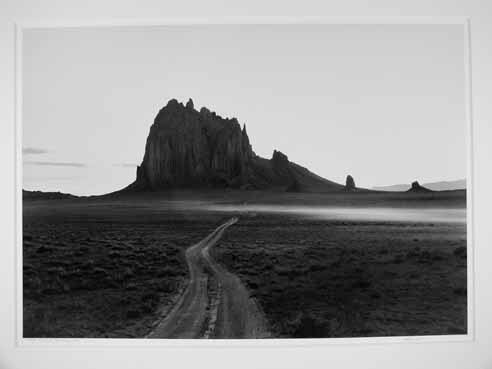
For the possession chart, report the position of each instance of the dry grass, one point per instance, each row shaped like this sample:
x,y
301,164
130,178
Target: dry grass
x,y
103,267
351,279
93,270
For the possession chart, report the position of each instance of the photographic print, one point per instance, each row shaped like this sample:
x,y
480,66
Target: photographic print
x,y
231,181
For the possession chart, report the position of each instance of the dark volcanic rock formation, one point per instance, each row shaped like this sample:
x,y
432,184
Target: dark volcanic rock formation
x,y
349,183
416,187
189,148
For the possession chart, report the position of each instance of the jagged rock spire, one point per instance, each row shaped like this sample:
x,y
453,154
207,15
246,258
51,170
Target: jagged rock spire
x,y
349,183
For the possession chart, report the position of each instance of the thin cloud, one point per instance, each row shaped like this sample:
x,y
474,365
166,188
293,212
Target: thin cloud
x,y
41,179
56,164
125,165
33,151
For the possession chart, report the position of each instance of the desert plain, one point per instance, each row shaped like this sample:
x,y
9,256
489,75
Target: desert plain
x,y
316,265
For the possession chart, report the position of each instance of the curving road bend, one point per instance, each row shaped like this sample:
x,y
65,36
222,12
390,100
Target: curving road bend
x,y
215,304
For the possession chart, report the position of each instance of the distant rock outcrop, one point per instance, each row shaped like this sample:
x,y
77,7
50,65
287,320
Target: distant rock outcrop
x,y
459,184
349,183
189,148
416,187
40,195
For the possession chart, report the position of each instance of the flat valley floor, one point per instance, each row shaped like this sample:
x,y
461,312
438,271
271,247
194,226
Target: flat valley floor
x,y
300,265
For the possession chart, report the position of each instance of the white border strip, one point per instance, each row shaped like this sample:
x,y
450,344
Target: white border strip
x,y
18,314
265,20
58,343
470,183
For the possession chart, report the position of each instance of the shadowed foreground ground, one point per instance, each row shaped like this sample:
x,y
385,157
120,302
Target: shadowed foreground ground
x,y
112,267
351,279
215,304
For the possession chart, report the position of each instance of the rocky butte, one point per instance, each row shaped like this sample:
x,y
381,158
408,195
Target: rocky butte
x,y
350,183
187,148
416,187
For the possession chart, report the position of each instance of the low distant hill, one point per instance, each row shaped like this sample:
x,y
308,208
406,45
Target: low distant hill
x,y
40,195
459,184
187,148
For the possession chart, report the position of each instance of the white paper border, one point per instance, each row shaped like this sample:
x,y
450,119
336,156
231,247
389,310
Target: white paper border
x,y
72,343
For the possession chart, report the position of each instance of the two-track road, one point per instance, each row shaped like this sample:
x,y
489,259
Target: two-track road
x,y
215,304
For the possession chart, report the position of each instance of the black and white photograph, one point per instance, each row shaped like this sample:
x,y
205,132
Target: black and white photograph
x,y
245,181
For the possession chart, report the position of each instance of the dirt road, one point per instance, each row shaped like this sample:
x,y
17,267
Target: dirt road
x,y
215,304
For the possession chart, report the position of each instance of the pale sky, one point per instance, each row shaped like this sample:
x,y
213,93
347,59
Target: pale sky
x,y
384,103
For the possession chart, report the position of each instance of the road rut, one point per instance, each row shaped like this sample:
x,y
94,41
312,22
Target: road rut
x,y
215,304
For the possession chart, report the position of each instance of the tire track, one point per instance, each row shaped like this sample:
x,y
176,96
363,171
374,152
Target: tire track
x,y
215,304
